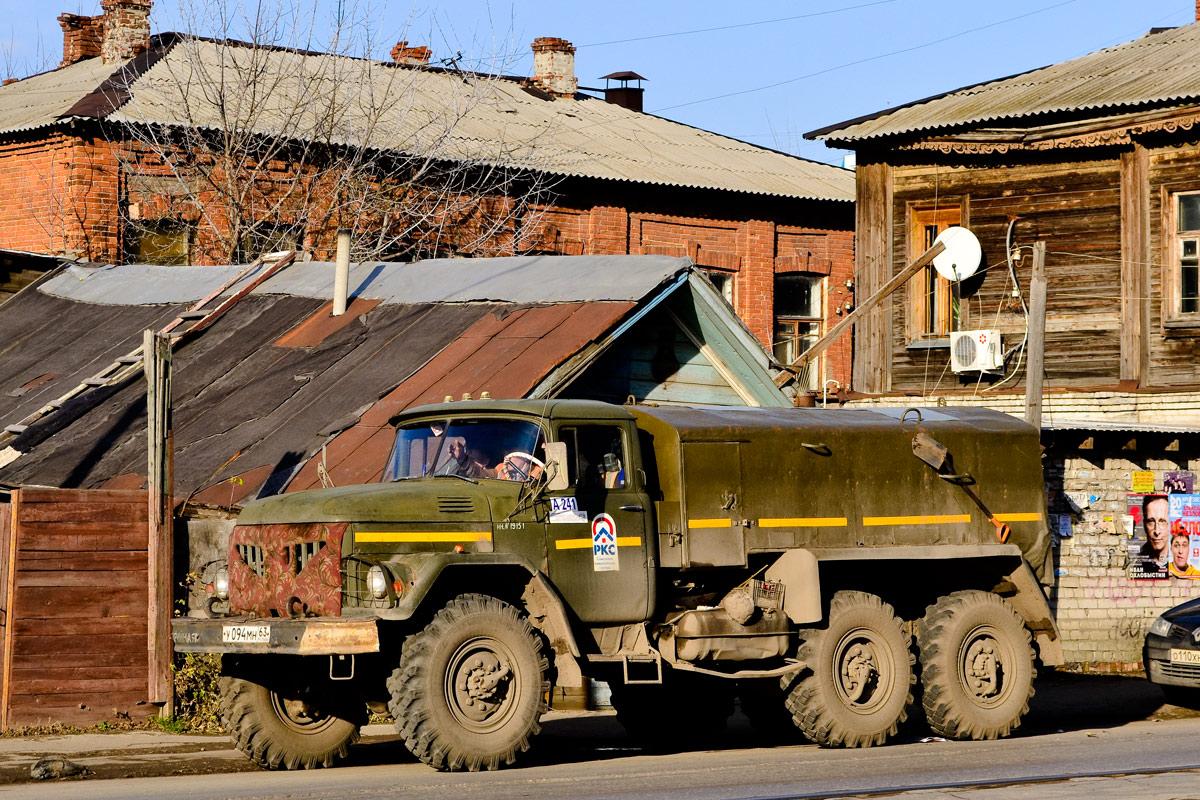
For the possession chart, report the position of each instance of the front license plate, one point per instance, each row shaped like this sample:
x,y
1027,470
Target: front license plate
x,y
1185,656
246,634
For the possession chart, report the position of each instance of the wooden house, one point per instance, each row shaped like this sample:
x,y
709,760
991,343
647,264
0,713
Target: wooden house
x,y
1099,159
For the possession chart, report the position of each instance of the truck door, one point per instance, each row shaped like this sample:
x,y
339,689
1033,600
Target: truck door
x,y
600,552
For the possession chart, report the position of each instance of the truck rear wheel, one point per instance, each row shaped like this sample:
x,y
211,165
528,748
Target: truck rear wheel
x,y
283,729
471,687
976,666
859,682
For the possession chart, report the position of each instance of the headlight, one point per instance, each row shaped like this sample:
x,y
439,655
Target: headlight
x,y
1161,627
221,583
377,582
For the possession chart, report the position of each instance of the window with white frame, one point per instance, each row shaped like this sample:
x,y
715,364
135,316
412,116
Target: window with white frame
x,y
1182,283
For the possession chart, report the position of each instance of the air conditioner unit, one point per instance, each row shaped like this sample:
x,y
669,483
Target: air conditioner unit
x,y
976,351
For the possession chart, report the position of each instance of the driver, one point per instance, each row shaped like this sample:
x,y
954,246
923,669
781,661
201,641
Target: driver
x,y
456,461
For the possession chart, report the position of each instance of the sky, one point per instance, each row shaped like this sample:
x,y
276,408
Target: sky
x,y
763,71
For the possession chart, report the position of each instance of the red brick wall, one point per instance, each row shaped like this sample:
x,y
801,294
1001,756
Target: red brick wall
x,y
59,196
64,194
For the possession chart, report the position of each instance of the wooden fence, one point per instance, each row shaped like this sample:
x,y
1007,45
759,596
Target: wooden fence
x,y
73,607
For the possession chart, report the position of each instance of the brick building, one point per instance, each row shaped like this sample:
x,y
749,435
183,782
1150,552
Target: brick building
x,y
774,232
1097,158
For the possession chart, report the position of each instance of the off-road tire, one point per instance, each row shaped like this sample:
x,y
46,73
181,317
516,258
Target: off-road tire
x,y
261,726
684,711
976,666
471,687
858,684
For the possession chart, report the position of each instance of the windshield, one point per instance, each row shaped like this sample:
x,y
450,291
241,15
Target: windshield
x,y
470,448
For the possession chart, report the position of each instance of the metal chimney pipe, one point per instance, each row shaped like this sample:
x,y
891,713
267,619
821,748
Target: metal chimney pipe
x,y
341,275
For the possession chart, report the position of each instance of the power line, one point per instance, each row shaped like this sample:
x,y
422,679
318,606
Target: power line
x,y
865,60
739,24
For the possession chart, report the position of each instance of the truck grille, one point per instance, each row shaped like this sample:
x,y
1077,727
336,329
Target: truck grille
x,y
300,554
252,555
455,505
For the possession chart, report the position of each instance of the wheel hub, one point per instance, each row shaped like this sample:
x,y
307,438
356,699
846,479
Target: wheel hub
x,y
479,684
299,714
858,669
863,672
982,667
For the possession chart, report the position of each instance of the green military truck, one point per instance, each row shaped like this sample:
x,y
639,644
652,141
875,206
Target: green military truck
x,y
825,567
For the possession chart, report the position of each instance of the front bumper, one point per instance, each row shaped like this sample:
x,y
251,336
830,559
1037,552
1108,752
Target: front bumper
x,y
1160,670
302,637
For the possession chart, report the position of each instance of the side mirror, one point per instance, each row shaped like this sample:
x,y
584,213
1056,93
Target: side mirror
x,y
556,458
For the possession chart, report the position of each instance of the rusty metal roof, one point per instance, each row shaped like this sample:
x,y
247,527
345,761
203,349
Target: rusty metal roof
x,y
261,391
1159,69
491,120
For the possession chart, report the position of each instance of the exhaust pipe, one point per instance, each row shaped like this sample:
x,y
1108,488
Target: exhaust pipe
x,y
341,276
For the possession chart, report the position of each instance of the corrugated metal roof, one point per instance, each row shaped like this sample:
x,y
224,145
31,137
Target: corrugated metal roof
x,y
400,108
38,101
1158,69
517,279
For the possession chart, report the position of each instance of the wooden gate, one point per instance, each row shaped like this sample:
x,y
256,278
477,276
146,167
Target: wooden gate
x,y
73,607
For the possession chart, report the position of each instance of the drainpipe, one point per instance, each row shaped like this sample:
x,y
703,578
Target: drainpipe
x,y
341,276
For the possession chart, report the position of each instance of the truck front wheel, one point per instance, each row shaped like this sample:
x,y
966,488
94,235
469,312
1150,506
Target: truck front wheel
x,y
976,666
471,687
285,729
858,684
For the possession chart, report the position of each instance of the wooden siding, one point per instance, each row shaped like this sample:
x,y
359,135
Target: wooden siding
x,y
872,257
1075,209
76,632
1173,351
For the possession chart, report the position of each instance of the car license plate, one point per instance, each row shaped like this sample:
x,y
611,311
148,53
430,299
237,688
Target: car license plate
x,y
1185,656
246,634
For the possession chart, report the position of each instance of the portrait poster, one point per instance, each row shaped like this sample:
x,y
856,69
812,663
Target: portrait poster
x,y
1183,511
1149,537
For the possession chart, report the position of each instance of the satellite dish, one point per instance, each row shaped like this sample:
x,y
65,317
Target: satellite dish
x,y
962,255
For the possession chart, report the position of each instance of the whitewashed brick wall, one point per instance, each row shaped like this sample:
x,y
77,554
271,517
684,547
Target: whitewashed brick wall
x,y
1101,613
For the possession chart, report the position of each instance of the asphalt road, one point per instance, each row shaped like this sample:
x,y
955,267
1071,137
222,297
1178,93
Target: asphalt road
x,y
1079,730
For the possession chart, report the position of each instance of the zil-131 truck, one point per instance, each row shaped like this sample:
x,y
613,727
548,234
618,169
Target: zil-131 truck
x,y
822,567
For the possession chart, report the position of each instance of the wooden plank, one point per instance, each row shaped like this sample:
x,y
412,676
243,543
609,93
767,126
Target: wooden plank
x,y
7,587
76,651
1037,337
52,604
123,580
112,496
1135,257
42,645
84,627
82,561
114,540
872,266
31,711
61,680
120,513
160,538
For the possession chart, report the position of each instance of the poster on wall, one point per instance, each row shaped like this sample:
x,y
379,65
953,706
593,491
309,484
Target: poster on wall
x,y
1179,482
1164,538
1183,510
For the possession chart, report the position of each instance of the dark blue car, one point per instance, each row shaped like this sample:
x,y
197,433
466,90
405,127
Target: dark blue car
x,y
1171,654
